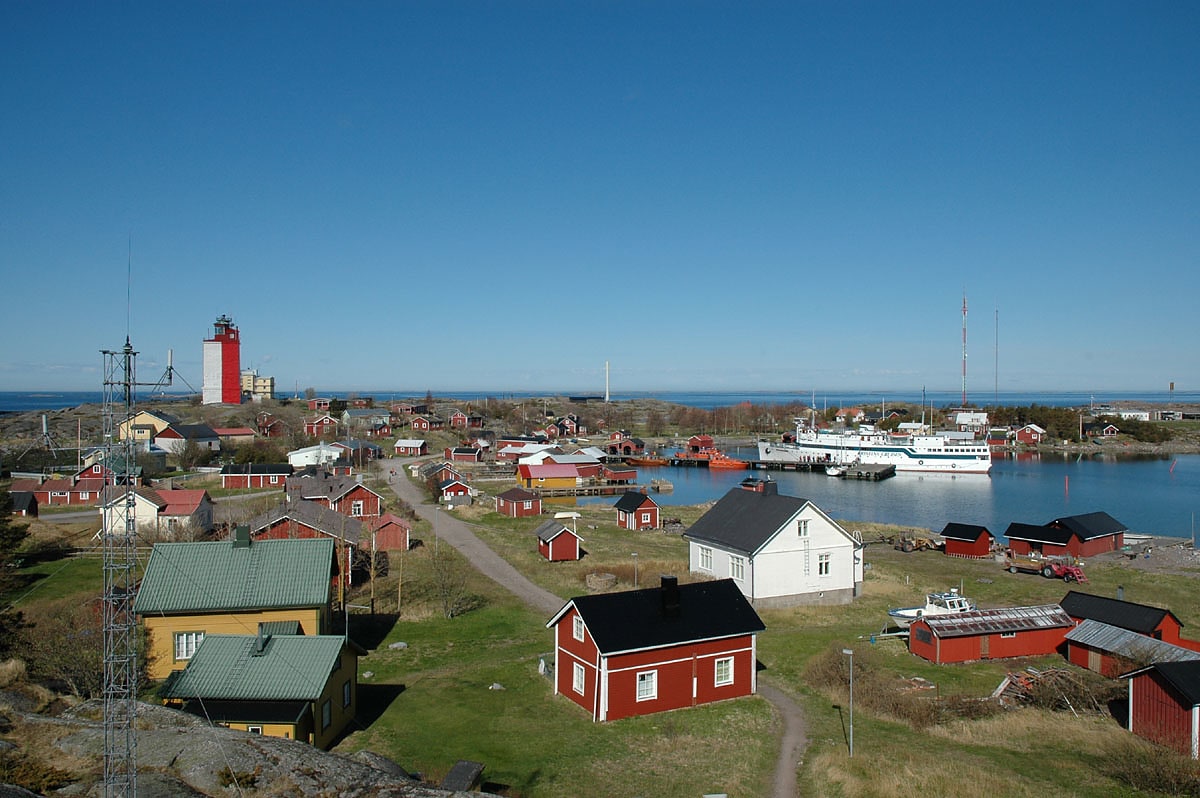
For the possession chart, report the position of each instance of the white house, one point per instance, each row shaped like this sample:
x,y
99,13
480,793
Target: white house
x,y
160,514
314,455
781,551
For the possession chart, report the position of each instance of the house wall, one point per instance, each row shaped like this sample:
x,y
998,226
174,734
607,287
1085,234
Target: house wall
x,y
1159,714
341,714
253,480
1100,545
369,499
392,538
787,570
978,549
563,547
1098,661
970,648
567,652
685,677
161,630
517,509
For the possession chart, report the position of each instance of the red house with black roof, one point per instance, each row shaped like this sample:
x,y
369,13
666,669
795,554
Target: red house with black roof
x,y
1164,705
968,540
1156,622
1071,536
557,543
636,511
637,652
519,503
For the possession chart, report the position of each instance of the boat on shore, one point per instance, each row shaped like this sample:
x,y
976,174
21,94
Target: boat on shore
x,y
647,460
871,446
947,603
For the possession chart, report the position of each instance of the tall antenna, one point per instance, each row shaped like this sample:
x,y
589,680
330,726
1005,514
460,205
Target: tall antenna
x,y
118,532
996,362
964,365
606,382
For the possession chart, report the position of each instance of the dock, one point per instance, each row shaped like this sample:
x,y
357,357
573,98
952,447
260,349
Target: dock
x,y
870,472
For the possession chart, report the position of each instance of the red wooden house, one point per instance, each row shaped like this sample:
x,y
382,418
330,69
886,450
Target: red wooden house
x,y
324,426
636,511
557,543
618,475
320,403
453,489
341,494
1030,435
1164,705
269,426
311,520
389,533
463,454
519,503
61,492
1156,622
410,447
458,420
1072,536
255,475
989,634
637,652
424,423
698,443
968,540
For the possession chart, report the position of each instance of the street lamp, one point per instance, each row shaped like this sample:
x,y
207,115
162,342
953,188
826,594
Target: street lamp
x,y
635,570
850,653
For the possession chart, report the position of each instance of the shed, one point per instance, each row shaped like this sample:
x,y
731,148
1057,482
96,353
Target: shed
x,y
1156,622
1164,705
968,540
989,634
557,543
1110,650
519,503
636,511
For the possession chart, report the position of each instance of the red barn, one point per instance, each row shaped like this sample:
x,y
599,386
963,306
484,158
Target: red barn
x,y
389,533
637,652
557,543
518,503
968,540
1072,536
636,511
463,454
989,634
255,475
1164,705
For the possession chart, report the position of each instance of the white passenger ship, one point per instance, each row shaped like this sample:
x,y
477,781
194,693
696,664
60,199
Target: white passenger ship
x,y
870,446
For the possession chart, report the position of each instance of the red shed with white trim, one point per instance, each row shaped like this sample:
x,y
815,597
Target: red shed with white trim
x,y
557,543
1164,705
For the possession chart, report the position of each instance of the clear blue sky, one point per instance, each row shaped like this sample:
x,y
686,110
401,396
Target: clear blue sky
x,y
503,196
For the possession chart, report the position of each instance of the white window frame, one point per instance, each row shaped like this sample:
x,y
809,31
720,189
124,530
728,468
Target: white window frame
x,y
737,568
274,479
190,642
726,664
578,678
356,508
254,729
647,685
645,518
577,628
802,528
704,558
824,564
528,505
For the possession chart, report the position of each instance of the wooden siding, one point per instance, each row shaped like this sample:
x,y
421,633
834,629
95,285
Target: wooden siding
x,y
1159,714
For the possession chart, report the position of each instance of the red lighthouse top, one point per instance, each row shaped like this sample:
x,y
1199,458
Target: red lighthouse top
x,y
224,329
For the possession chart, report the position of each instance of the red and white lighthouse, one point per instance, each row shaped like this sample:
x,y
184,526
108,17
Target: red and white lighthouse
x,y
222,364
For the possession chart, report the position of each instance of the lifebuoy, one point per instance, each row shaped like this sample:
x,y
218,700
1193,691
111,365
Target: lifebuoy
x,y
920,462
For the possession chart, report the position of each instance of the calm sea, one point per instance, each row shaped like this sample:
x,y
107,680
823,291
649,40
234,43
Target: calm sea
x,y
1154,496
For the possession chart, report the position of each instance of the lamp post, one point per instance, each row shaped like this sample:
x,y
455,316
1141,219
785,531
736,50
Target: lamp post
x,y
635,570
850,653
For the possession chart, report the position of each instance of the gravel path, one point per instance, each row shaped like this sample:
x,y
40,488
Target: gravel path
x,y
459,535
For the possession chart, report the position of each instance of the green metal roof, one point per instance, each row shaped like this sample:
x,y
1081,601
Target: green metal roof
x,y
290,668
221,576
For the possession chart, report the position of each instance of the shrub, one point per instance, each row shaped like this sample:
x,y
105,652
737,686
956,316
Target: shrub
x,y
1149,768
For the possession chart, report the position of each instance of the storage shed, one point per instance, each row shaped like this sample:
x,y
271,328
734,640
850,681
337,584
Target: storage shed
x,y
1164,705
968,540
557,543
1110,650
1071,536
519,503
989,634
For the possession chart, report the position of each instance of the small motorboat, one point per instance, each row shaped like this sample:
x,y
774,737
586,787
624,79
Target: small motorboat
x,y
947,603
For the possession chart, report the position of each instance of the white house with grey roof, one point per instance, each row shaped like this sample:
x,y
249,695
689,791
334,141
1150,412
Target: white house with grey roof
x,y
781,551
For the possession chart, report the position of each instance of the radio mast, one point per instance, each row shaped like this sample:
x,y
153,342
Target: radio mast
x,y
964,366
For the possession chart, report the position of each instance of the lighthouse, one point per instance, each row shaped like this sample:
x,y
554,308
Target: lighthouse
x,y
222,364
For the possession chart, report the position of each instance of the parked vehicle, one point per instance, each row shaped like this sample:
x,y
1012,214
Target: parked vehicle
x,y
1049,567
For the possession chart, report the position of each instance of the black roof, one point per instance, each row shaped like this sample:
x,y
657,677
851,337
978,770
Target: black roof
x,y
743,520
637,619
1037,534
1090,525
631,500
23,501
1183,676
968,532
1140,618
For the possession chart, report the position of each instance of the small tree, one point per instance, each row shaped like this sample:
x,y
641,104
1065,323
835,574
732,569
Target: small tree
x,y
449,575
12,536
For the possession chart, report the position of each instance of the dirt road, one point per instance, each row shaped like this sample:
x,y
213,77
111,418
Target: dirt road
x,y
459,535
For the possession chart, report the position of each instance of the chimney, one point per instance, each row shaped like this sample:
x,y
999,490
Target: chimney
x,y
1120,592
670,596
241,537
770,487
260,642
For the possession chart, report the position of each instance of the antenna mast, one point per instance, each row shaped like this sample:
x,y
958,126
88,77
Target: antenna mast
x,y
964,362
606,382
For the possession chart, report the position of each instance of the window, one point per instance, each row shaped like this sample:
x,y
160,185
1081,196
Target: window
x,y
274,479
723,671
528,505
577,628
705,558
84,495
254,729
645,518
346,693
326,715
356,507
802,527
823,564
647,685
186,643
737,568
1005,635
577,677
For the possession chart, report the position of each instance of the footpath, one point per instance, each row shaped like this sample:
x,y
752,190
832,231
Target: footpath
x,y
496,568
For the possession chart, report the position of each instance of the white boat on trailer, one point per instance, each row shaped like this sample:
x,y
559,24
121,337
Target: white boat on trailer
x,y
947,603
871,446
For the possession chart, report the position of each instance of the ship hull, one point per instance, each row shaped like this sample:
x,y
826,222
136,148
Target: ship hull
x,y
930,455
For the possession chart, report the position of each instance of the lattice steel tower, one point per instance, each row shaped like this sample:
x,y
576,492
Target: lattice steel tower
x,y
119,534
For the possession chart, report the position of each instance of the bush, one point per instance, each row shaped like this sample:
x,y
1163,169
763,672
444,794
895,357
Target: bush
x,y
1149,768
34,775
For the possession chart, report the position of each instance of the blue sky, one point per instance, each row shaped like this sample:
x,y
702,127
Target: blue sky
x,y
503,196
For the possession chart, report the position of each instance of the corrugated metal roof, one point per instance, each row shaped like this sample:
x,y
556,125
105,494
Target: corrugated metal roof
x,y
1127,644
213,576
1004,620
290,668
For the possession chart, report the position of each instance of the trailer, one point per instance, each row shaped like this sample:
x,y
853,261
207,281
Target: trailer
x,y
1049,567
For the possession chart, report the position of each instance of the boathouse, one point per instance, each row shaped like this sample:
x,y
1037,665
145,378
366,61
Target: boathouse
x,y
637,652
1143,619
1071,536
968,540
989,634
